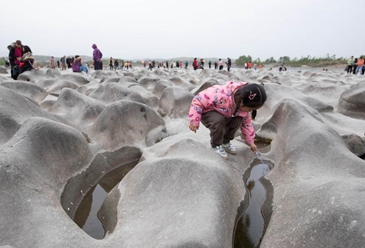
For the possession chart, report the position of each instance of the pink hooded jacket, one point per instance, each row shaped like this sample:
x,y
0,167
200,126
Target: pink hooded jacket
x,y
220,98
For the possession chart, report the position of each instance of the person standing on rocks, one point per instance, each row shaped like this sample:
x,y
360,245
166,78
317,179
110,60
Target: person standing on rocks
x,y
360,64
51,63
195,63
220,64
225,108
111,62
350,64
229,64
97,55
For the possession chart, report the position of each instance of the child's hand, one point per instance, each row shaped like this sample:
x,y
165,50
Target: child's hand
x,y
253,147
193,128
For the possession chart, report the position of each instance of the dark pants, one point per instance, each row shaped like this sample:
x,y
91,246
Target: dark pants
x,y
222,129
349,68
11,69
97,65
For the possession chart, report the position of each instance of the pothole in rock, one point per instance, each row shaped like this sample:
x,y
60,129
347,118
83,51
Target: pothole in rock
x,y
86,215
263,144
255,211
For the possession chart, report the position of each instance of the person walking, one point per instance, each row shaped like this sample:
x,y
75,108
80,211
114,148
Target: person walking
x,y
97,55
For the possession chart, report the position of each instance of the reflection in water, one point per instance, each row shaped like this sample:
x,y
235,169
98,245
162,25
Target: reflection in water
x,y
252,223
86,215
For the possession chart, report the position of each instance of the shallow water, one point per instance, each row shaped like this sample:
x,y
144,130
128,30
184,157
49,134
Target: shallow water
x,y
254,218
86,216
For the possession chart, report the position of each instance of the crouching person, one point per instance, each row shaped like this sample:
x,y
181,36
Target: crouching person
x,y
77,66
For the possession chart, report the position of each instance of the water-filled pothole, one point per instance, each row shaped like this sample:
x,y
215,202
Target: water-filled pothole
x,y
255,211
86,215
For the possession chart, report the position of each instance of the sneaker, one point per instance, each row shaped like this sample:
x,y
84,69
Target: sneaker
x,y
220,151
229,148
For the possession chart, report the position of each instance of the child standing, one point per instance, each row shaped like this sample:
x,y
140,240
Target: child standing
x,y
225,108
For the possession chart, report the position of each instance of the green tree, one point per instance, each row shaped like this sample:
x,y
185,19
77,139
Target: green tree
x,y
270,60
243,59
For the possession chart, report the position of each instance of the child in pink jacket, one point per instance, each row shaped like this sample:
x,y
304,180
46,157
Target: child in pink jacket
x,y
225,108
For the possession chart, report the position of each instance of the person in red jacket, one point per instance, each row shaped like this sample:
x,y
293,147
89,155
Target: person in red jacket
x,y
195,63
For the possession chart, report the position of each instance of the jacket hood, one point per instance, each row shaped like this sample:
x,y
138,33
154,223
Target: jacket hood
x,y
94,46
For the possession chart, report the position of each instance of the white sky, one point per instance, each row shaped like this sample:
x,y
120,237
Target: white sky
x,y
135,29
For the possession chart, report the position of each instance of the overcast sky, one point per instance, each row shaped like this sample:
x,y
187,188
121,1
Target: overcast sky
x,y
135,29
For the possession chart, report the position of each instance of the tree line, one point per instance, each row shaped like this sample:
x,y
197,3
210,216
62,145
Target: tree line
x,y
309,61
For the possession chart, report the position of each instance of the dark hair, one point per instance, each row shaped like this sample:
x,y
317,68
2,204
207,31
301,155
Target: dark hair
x,y
252,96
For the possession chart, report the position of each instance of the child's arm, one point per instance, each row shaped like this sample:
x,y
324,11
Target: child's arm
x,y
198,104
248,132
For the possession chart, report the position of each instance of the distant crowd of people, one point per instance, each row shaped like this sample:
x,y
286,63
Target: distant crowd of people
x,y
21,60
19,63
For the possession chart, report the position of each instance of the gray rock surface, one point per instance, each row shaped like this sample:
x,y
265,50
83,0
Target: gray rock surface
x,y
60,132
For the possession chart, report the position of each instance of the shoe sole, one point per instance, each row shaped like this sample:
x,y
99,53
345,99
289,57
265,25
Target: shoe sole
x,y
230,152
